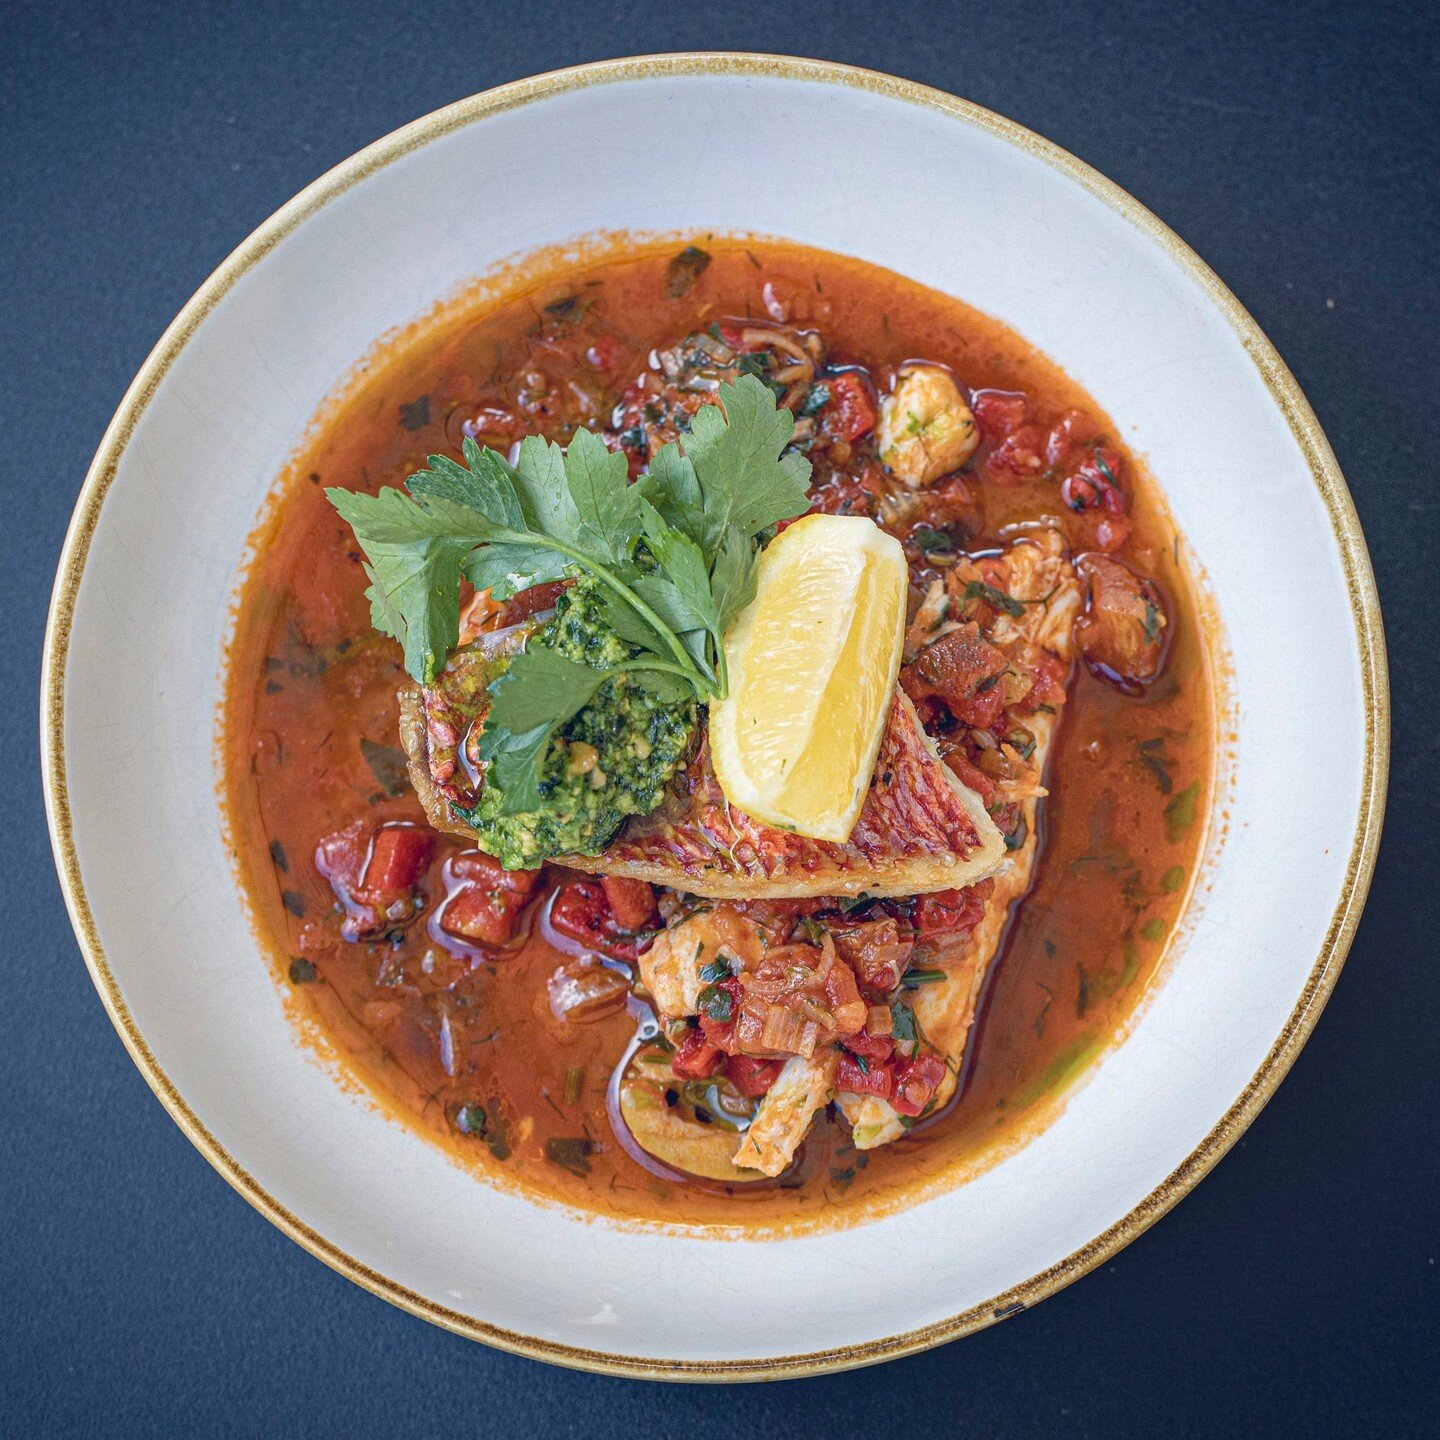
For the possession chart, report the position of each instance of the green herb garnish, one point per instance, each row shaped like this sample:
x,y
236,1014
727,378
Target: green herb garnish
x,y
1151,624
994,597
923,977
684,270
1180,812
904,1028
1153,757
570,1153
817,397
674,555
470,1119
715,1004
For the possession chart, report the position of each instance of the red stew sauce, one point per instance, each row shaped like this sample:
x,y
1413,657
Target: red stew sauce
x,y
495,1009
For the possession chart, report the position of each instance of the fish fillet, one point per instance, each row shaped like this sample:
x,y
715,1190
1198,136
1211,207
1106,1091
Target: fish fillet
x,y
945,1009
920,829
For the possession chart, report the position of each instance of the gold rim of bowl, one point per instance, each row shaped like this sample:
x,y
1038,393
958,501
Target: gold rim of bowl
x,y
1282,386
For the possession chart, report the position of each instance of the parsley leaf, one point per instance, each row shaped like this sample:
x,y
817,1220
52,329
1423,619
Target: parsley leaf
x,y
599,483
742,482
734,576
539,692
416,550
673,488
995,597
674,557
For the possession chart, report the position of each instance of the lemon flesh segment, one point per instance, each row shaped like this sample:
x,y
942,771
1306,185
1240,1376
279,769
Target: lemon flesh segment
x,y
813,661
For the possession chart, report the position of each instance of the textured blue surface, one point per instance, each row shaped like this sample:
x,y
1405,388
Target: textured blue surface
x,y
1296,1290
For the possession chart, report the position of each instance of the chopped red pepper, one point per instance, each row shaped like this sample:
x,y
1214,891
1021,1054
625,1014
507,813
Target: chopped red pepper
x,y
850,412
484,901
752,1077
398,857
632,901
862,1078
696,1058
582,911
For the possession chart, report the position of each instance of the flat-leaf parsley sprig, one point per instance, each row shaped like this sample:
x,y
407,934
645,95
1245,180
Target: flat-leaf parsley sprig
x,y
674,555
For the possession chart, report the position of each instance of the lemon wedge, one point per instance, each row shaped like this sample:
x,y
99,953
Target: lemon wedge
x,y
812,661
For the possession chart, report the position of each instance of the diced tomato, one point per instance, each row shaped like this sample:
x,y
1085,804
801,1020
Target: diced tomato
x,y
1107,532
949,915
862,1078
1072,429
342,855
631,901
484,900
582,911
1020,455
398,857
696,1058
1094,484
964,671
877,1049
850,411
915,1084
722,1032
1049,688
373,906
752,1077
998,412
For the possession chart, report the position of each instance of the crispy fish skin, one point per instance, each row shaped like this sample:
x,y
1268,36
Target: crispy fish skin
x,y
945,1009
919,830
414,740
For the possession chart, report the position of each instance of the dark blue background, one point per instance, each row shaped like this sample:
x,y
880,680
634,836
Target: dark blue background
x,y
1295,1291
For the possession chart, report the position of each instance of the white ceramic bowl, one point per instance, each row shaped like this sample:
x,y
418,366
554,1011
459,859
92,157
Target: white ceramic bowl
x,y
927,185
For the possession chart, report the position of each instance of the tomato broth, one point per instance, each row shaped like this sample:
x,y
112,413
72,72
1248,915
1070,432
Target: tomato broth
x,y
463,1040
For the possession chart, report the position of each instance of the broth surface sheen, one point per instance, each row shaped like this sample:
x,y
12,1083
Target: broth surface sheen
x,y
431,1027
